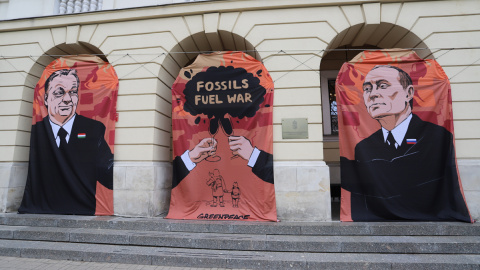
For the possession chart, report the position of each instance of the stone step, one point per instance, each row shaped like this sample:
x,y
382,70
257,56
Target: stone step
x,y
241,227
232,259
251,242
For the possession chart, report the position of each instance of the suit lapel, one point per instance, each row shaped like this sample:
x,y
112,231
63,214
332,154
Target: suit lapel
x,y
414,132
49,132
78,128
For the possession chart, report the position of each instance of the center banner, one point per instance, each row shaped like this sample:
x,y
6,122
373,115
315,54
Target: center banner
x,y
222,108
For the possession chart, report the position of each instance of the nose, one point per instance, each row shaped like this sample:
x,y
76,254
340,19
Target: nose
x,y
66,98
375,93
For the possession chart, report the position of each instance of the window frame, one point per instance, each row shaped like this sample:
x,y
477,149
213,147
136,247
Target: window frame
x,y
326,75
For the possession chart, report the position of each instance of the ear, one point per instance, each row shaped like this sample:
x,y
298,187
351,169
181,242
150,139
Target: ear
x,y
410,91
45,96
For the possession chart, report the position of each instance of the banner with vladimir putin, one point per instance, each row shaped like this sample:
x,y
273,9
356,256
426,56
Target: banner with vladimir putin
x,y
70,169
222,108
397,148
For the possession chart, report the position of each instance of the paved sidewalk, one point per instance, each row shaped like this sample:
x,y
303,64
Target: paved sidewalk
x,y
28,263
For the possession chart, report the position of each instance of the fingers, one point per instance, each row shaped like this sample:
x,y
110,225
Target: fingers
x,y
232,138
208,144
213,142
205,142
236,142
241,146
206,147
211,146
235,147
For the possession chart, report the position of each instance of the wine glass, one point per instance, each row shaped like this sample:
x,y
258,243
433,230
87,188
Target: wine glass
x,y
227,127
213,129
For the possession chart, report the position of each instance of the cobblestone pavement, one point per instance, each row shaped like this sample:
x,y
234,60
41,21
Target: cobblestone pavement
x,y
28,263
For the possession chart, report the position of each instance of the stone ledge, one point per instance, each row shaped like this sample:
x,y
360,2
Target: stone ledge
x,y
232,259
159,224
253,242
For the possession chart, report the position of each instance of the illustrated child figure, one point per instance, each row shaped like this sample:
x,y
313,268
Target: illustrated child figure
x,y
218,186
235,194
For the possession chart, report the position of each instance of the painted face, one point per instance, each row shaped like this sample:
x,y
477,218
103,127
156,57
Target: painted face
x,y
62,98
383,94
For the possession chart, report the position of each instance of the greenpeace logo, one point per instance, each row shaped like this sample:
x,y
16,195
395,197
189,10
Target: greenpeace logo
x,y
222,216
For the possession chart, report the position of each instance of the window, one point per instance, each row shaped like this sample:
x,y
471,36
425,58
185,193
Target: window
x,y
77,6
329,103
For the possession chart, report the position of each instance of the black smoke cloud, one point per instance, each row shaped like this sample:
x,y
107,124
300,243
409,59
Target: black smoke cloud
x,y
223,90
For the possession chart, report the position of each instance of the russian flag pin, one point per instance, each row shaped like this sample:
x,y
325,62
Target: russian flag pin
x,y
411,141
82,135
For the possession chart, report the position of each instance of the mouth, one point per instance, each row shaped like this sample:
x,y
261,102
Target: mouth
x,y
65,108
375,106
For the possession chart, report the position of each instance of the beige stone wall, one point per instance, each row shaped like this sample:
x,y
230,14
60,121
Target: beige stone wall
x,y
148,47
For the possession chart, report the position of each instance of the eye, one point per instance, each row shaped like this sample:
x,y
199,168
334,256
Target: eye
x,y
383,86
59,92
367,88
74,92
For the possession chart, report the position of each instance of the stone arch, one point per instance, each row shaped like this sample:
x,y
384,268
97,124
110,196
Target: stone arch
x,y
351,41
56,52
343,47
185,51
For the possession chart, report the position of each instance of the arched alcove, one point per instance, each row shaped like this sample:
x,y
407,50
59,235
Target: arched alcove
x,y
185,52
56,52
36,69
345,46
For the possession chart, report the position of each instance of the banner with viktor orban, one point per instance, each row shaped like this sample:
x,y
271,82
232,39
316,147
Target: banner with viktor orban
x,y
70,170
222,108
397,147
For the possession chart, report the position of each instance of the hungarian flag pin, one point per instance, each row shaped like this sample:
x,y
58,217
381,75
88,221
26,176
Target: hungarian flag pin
x,y
81,135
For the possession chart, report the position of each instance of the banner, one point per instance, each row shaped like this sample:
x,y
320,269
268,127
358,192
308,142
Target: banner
x,y
222,140
397,151
70,170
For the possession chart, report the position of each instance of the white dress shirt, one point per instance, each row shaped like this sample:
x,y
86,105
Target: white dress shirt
x,y
398,132
67,126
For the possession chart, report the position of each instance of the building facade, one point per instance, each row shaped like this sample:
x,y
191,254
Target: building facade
x,y
302,43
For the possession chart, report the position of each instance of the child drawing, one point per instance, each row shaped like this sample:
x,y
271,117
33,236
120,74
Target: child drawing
x,y
235,194
218,186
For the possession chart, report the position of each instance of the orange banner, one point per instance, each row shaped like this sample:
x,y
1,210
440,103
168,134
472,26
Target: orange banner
x,y
397,151
223,140
71,146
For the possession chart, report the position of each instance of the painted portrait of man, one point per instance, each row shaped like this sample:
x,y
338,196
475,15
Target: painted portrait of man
x,y
405,170
69,155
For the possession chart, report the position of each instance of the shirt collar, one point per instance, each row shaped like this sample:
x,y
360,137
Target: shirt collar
x,y
399,131
67,126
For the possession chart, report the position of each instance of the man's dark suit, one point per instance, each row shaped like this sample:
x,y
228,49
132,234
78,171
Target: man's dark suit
x,y
263,168
65,182
414,182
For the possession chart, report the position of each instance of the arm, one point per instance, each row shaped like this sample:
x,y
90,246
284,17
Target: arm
x,y
263,167
183,164
261,162
180,171
104,161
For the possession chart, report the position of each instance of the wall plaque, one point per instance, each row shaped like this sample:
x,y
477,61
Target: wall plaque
x,y
294,128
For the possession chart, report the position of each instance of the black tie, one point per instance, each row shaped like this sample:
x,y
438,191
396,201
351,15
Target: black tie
x,y
391,140
62,133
